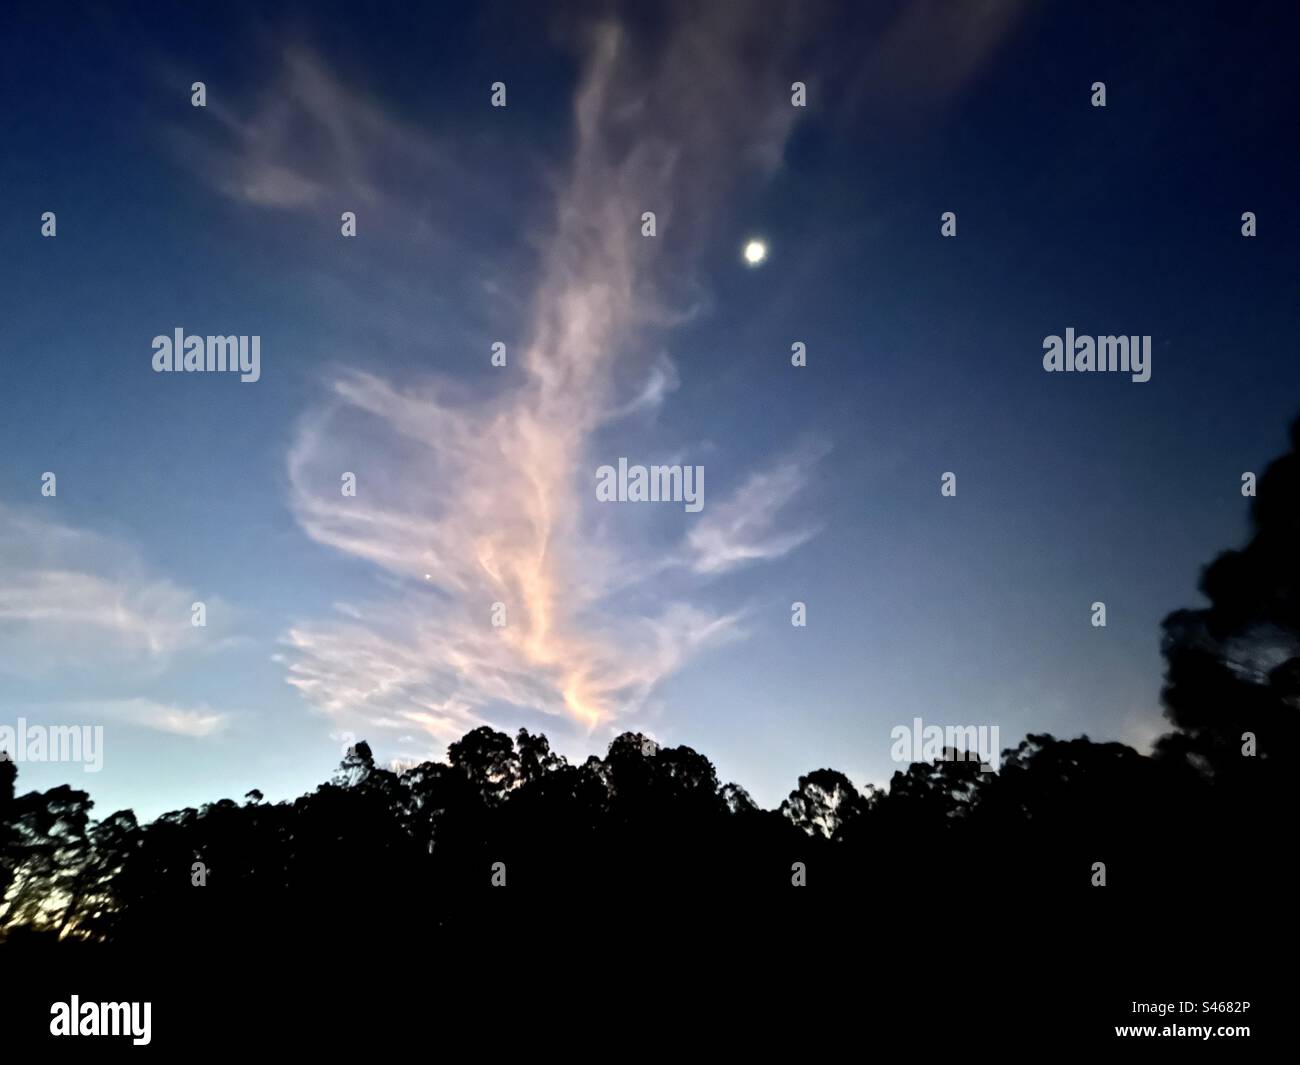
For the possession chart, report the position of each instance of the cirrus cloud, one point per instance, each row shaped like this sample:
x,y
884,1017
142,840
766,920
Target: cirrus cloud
x,y
465,502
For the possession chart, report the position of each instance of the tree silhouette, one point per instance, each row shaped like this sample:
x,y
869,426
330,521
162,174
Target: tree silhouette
x,y
1233,668
825,803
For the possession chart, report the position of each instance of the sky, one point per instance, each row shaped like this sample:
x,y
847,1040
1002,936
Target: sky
x,y
331,617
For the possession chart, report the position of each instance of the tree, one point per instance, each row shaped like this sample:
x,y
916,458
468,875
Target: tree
x,y
1233,668
488,760
53,848
823,803
8,829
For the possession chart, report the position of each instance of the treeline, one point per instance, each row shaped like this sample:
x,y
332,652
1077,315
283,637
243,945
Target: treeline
x,y
1203,815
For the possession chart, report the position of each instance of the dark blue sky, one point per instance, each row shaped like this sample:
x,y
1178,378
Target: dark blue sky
x,y
522,225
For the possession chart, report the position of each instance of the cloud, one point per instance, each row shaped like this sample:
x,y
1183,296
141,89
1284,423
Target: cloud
x,y
199,722
928,52
72,601
744,528
308,139
465,501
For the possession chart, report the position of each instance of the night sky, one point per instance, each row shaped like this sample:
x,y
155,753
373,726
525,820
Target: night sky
x,y
331,617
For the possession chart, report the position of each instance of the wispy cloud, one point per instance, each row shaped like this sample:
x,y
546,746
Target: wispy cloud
x,y
197,722
746,527
927,53
309,137
74,601
469,500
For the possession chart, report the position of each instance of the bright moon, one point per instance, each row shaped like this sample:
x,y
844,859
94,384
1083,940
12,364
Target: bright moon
x,y
755,252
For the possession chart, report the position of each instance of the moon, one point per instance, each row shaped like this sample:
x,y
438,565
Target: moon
x,y
755,252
